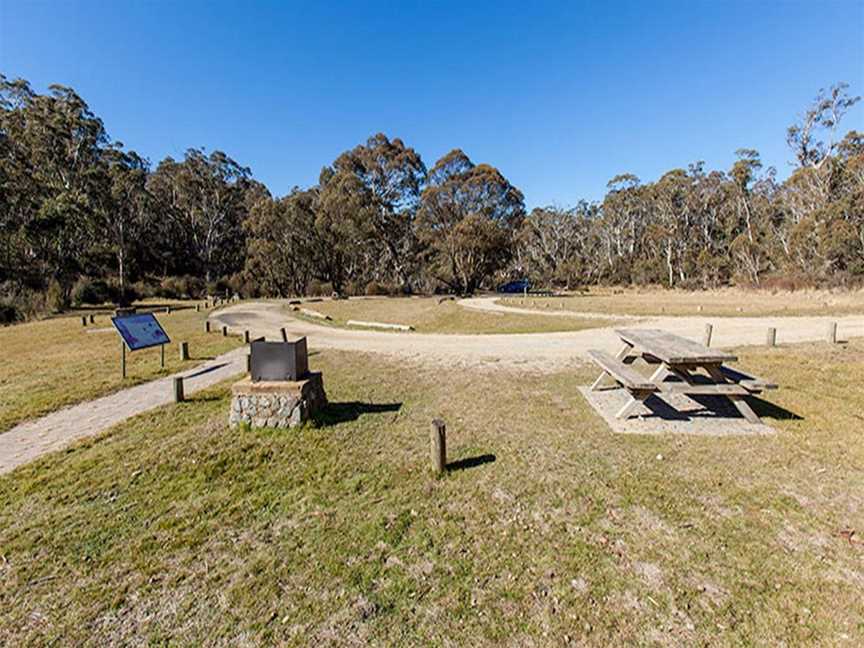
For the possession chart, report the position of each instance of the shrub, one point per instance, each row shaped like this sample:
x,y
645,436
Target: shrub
x,y
185,287
56,299
319,288
374,288
90,291
9,314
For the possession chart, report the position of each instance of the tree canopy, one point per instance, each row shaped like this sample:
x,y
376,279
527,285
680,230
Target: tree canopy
x,y
78,208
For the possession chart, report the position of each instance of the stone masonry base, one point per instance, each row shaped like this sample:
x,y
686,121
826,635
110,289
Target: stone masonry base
x,y
276,404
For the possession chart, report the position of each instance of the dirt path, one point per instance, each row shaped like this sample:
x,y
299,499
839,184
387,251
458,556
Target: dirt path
x,y
29,440
536,351
491,305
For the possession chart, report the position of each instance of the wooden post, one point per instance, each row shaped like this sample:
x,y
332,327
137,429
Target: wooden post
x,y
197,308
771,337
246,337
706,336
122,358
207,326
438,447
284,334
92,319
162,355
83,320
224,331
249,363
184,350
178,390
832,333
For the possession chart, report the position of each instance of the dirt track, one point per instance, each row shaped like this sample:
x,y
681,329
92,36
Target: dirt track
x,y
537,351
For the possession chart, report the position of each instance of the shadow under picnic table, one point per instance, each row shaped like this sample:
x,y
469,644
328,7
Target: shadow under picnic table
x,y
717,407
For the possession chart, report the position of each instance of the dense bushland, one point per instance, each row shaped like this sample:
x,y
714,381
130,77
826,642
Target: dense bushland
x,y
84,220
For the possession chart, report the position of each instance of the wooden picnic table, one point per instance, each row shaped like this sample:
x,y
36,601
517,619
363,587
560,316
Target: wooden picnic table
x,y
680,360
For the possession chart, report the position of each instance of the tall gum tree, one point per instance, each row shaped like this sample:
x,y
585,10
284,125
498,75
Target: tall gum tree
x,y
387,177
468,215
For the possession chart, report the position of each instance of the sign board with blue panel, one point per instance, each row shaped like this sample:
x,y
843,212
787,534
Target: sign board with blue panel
x,y
140,331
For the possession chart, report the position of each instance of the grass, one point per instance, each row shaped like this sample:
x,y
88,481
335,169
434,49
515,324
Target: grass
x,y
173,529
722,302
57,362
426,315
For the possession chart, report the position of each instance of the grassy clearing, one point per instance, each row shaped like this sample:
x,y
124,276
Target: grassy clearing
x,y
56,362
426,315
723,302
174,529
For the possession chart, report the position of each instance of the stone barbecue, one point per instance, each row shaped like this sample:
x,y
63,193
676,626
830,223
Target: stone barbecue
x,y
280,392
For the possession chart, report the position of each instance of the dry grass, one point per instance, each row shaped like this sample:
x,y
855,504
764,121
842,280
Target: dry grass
x,y
57,362
173,529
726,301
426,315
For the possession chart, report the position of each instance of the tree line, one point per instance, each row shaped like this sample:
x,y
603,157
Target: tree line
x,y
86,220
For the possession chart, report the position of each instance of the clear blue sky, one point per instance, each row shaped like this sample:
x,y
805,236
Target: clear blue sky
x,y
560,96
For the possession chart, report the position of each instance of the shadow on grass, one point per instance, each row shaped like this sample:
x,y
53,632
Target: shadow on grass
x,y
335,413
205,370
770,410
470,462
202,399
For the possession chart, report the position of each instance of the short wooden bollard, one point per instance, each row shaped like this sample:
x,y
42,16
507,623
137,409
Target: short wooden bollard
x,y
706,336
224,331
248,363
832,333
179,397
83,320
207,326
771,337
438,446
245,337
197,308
92,319
184,350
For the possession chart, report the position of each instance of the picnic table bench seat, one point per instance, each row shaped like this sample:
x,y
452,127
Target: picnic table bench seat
x,y
638,387
752,384
624,374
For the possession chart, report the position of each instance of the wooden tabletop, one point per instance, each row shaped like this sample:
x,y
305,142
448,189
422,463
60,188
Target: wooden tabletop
x,y
672,349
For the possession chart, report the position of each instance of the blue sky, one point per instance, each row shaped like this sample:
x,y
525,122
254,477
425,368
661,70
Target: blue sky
x,y
560,96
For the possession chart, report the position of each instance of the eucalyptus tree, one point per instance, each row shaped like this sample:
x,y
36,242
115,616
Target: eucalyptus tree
x,y
383,179
127,211
821,119
52,171
552,244
206,196
283,251
467,219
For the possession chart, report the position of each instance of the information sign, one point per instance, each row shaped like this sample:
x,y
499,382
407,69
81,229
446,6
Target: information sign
x,y
140,331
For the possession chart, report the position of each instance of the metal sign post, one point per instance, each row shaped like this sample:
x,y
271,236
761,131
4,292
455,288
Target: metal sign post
x,y
139,331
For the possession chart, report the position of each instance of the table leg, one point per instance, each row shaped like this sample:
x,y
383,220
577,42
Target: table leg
x,y
738,401
636,398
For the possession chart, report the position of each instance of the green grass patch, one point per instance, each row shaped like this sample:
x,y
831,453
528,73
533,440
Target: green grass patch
x,y
174,529
56,362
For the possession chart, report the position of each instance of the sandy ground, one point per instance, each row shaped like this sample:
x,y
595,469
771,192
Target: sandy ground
x,y
535,351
